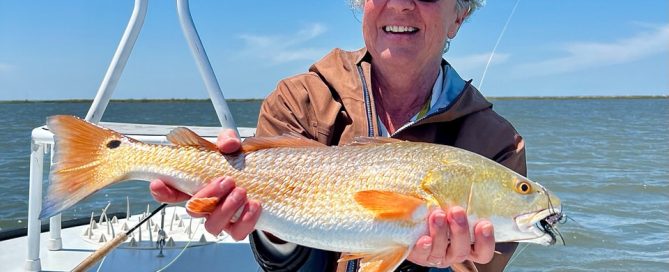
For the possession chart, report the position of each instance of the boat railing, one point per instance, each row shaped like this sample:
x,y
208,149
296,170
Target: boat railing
x,y
42,139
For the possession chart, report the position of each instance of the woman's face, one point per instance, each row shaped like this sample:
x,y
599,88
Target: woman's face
x,y
409,32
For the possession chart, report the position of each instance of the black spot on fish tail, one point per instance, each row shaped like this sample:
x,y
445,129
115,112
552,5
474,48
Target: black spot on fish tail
x,y
113,144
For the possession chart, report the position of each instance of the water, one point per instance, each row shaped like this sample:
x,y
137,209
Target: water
x,y
608,159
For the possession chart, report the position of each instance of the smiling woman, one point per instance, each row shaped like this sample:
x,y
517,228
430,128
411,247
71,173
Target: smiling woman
x,y
397,86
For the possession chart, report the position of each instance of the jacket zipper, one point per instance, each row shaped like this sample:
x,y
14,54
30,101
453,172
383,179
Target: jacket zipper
x,y
368,103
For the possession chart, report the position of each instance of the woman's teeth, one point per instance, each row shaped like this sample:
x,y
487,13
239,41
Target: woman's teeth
x,y
399,29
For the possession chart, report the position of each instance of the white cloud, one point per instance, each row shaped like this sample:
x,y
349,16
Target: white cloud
x,y
284,48
586,55
6,67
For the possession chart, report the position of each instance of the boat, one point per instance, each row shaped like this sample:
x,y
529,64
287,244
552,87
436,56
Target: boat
x,y
169,240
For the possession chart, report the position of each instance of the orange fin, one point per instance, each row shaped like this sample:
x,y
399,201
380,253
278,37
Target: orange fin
x,y
374,140
466,266
384,261
79,168
346,256
185,137
389,205
286,140
202,205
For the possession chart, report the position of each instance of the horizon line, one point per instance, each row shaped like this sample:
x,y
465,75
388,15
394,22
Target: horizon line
x,y
141,100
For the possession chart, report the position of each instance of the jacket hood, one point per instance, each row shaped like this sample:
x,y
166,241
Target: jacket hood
x,y
339,70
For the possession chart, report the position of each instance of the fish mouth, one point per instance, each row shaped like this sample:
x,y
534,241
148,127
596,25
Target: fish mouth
x,y
542,223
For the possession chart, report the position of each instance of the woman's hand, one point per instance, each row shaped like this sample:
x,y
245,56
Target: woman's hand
x,y
231,198
449,240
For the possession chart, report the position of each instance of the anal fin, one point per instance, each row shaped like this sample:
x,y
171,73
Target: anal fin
x,y
202,205
383,261
466,266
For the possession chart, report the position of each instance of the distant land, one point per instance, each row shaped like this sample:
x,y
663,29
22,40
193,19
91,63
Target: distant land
x,y
493,98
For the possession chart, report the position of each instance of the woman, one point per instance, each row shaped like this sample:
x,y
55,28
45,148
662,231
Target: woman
x,y
398,86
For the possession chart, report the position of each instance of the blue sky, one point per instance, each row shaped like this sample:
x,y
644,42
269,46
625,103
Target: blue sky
x,y
61,49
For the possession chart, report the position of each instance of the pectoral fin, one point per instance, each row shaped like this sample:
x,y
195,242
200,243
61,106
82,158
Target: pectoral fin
x,y
202,205
383,261
389,205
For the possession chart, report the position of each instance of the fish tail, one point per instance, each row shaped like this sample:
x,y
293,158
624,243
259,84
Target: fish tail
x,y
81,164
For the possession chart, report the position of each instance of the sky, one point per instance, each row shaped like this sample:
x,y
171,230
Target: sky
x,y
61,49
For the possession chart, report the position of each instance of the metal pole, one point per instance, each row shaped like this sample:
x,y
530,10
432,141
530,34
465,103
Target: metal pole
x,y
34,206
203,65
55,241
118,62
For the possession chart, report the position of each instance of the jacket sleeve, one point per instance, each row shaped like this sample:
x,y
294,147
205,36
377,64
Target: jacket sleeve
x,y
302,104
292,108
513,156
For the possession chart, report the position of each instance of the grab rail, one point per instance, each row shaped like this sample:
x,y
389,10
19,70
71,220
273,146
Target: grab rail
x,y
203,65
97,109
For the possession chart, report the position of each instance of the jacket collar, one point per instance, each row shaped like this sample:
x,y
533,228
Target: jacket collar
x,y
458,98
338,69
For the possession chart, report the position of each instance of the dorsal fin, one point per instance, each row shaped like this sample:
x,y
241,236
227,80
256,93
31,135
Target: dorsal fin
x,y
374,140
182,136
286,140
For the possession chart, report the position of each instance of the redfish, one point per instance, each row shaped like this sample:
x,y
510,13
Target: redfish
x,y
369,199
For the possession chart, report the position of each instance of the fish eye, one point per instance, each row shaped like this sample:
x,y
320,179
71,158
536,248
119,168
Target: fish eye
x,y
113,144
523,187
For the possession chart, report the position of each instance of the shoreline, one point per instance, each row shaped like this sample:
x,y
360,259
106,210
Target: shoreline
x,y
189,100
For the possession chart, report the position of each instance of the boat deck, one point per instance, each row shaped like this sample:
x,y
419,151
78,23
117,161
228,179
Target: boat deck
x,y
204,251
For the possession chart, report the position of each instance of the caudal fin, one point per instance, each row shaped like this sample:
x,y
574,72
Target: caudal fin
x,y
80,165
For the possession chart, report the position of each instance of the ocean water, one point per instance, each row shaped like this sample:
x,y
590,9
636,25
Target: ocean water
x,y
608,160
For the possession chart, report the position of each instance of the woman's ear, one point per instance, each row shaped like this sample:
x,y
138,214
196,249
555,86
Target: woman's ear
x,y
453,29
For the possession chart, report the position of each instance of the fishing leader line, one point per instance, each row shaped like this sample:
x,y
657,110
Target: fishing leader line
x,y
180,253
499,39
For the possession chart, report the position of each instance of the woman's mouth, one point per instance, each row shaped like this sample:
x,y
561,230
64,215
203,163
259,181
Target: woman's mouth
x,y
397,29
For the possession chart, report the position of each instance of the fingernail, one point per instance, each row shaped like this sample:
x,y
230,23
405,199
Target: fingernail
x,y
459,217
440,219
427,245
236,195
222,182
486,230
252,210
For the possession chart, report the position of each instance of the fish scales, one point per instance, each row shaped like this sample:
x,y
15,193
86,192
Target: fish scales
x,y
313,177
371,198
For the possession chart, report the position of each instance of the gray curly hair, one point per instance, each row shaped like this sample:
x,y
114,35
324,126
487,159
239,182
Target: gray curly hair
x,y
460,5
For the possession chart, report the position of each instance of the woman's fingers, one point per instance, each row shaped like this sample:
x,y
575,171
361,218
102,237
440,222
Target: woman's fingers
x,y
247,221
460,246
484,245
166,194
219,188
421,251
226,212
228,142
439,231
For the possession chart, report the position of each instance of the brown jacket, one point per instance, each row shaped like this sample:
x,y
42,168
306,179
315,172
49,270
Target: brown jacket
x,y
333,103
